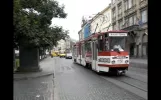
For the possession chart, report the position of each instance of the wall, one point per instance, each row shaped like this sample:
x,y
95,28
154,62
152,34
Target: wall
x,y
81,34
94,24
103,20
107,21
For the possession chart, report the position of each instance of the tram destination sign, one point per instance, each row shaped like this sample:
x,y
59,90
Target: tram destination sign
x,y
117,34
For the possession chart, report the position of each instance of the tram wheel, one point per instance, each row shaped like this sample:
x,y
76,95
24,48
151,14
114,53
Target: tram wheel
x,y
120,73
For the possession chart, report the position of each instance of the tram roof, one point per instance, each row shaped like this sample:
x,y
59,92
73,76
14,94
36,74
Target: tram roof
x,y
101,33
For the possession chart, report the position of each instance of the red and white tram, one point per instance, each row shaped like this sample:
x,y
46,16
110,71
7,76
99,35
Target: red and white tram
x,y
103,52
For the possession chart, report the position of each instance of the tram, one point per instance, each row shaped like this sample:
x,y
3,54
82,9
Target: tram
x,y
103,52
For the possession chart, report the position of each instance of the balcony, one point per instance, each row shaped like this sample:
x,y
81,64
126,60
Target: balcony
x,y
132,28
130,10
143,4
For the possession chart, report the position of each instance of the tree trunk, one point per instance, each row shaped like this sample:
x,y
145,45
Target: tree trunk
x,y
29,60
40,56
14,58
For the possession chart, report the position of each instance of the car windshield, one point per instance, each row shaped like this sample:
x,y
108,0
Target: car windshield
x,y
117,43
69,54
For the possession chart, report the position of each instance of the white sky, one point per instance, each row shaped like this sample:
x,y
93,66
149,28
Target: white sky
x,y
75,10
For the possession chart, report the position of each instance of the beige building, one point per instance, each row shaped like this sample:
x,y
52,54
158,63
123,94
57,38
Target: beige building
x,y
131,15
61,45
81,35
101,22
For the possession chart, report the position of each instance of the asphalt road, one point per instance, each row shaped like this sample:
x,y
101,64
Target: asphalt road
x,y
75,82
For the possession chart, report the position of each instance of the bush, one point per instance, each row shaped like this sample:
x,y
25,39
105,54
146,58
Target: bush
x,y
17,62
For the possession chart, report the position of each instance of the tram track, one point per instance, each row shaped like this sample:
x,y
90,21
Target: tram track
x,y
134,78
128,82
124,82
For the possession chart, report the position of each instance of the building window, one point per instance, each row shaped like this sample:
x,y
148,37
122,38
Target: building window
x,y
130,21
144,16
135,21
114,13
126,5
113,1
133,2
126,23
120,24
114,27
108,17
120,9
130,3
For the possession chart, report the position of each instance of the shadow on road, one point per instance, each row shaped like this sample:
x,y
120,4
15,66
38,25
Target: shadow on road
x,y
113,75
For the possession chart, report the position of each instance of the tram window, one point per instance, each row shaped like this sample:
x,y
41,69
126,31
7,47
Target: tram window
x,y
106,35
106,43
100,44
83,51
87,47
77,51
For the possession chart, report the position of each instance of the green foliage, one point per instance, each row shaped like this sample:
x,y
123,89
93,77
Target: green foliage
x,y
32,20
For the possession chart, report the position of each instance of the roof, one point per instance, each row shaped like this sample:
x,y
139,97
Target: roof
x,y
98,14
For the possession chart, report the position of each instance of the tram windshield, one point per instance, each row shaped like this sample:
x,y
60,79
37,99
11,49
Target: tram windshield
x,y
117,43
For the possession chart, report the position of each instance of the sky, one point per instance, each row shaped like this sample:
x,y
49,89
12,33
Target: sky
x,y
76,9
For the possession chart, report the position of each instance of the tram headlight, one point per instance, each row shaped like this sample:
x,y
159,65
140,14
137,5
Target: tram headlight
x,y
126,61
113,62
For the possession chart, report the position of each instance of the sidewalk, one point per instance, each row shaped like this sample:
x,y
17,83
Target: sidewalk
x,y
139,63
47,66
36,86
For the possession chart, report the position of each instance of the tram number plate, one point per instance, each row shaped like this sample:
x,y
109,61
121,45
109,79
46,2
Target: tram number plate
x,y
104,60
119,61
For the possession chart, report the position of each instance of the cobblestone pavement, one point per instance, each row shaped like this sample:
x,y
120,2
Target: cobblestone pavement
x,y
47,66
34,89
75,82
139,63
144,61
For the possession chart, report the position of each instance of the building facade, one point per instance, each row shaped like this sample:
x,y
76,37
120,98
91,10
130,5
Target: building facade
x,y
86,30
67,45
102,21
81,35
131,15
61,46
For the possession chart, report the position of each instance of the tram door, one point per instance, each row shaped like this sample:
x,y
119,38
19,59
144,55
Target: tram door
x,y
94,55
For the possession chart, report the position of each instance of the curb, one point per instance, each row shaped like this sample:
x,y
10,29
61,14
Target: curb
x,y
32,77
138,65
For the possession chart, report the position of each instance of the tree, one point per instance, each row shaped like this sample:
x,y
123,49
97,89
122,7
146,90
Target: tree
x,y
32,20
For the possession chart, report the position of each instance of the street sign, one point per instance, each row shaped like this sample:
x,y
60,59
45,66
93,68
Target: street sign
x,y
117,34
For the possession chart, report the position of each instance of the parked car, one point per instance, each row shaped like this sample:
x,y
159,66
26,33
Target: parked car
x,y
68,56
62,55
53,54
